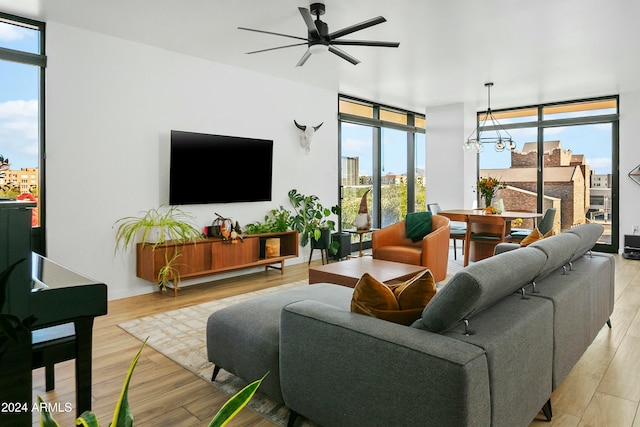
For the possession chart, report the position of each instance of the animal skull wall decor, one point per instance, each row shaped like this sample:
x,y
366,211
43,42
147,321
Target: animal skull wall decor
x,y
306,135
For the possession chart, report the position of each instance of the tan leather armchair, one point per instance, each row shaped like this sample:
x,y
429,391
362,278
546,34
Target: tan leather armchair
x,y
391,244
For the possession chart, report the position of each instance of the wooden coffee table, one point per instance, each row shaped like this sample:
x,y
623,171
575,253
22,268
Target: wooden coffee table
x,y
347,273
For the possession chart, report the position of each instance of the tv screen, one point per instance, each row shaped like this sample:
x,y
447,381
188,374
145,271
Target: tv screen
x,y
219,169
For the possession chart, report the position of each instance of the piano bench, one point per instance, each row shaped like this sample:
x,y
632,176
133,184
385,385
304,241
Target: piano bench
x,y
52,345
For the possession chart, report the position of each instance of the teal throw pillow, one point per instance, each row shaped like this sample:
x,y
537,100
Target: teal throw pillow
x,y
418,225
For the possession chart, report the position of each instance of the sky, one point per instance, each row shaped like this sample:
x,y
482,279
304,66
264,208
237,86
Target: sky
x,y
19,86
594,141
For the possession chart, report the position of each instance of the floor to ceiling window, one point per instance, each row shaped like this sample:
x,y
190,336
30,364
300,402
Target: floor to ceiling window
x,y
382,153
22,63
566,158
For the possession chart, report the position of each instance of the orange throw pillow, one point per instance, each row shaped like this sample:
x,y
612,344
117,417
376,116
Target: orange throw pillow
x,y
535,236
402,303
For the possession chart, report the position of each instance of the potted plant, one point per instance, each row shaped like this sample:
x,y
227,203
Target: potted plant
x,y
487,188
277,220
311,220
154,227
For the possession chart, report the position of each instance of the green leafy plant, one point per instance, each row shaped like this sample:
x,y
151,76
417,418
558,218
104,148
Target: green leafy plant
x,y
122,416
310,217
275,221
156,226
169,270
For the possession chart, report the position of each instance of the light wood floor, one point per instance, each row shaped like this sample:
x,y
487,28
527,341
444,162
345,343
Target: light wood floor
x,y
602,390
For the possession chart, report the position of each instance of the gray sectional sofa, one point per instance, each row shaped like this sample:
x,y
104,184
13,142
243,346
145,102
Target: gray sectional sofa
x,y
489,349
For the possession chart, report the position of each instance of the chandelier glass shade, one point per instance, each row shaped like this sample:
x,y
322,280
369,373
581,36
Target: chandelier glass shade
x,y
489,131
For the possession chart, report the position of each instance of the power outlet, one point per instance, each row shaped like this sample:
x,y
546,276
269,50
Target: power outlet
x,y
634,229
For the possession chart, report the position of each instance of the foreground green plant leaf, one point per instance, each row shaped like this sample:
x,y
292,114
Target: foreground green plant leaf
x,y
122,416
235,404
87,419
46,420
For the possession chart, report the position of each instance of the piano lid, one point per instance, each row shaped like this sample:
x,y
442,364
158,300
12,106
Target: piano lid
x,y
48,274
60,295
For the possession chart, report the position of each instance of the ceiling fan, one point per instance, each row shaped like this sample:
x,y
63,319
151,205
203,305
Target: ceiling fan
x,y
319,38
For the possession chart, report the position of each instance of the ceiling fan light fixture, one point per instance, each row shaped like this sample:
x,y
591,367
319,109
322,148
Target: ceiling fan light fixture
x,y
318,48
320,40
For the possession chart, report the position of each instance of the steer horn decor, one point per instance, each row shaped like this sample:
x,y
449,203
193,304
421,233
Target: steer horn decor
x,y
306,135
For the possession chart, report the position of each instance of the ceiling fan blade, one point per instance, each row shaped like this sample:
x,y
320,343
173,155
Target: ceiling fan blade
x,y
272,33
344,55
365,43
357,27
304,58
276,48
308,19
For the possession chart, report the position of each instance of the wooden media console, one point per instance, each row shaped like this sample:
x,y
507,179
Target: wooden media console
x,y
214,255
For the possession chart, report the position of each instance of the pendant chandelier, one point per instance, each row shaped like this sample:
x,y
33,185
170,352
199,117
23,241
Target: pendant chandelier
x,y
494,133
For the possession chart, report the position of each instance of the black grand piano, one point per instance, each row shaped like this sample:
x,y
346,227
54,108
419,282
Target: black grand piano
x,y
61,297
60,300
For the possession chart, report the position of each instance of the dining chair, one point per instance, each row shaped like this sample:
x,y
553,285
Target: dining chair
x,y
544,226
487,229
458,229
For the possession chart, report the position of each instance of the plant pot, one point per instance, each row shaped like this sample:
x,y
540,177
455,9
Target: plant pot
x,y
325,240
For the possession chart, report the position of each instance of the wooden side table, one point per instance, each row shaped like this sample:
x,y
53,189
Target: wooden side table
x,y
360,233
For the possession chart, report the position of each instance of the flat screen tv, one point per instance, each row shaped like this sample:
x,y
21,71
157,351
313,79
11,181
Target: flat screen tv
x,y
208,168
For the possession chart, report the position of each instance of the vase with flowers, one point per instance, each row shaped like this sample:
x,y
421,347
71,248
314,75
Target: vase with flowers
x,y
488,187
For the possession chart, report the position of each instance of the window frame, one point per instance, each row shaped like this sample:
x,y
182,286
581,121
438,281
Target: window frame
x,y
38,234
378,124
541,124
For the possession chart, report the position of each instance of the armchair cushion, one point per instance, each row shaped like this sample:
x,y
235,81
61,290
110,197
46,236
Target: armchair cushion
x,y
402,303
418,225
392,244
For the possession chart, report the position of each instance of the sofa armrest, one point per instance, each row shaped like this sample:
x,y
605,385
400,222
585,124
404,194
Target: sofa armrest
x,y
340,368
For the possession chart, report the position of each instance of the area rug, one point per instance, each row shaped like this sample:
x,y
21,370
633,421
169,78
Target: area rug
x,y
180,336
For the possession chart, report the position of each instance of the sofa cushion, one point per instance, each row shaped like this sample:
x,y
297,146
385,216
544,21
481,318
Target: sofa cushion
x,y
479,286
558,249
589,235
401,303
418,225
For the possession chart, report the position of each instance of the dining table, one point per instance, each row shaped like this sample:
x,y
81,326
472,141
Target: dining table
x,y
476,221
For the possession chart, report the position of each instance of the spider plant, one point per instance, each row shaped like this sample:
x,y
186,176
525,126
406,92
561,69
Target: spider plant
x,y
169,270
156,226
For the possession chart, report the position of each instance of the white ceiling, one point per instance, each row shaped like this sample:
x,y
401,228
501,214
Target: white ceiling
x,y
534,51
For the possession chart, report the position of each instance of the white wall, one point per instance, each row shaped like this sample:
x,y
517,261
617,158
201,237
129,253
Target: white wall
x,y
110,106
451,170
629,159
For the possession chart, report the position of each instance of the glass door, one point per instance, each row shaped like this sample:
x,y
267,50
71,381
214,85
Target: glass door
x,y
578,179
393,185
357,169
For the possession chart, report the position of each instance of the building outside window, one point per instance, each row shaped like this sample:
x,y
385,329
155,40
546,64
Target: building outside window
x,y
382,149
565,159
